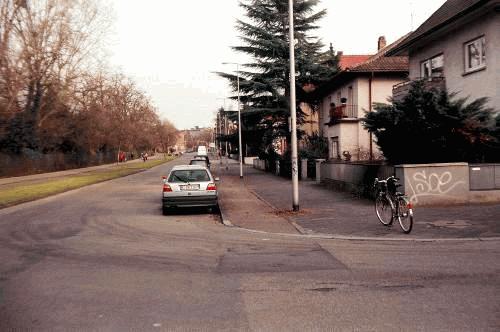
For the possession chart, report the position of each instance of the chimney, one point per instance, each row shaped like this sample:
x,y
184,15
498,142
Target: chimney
x,y
381,42
339,53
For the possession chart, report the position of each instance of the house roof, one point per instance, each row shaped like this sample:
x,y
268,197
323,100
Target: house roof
x,y
378,62
349,61
450,11
383,64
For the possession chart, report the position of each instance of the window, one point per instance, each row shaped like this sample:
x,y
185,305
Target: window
x,y
475,54
188,176
432,67
334,148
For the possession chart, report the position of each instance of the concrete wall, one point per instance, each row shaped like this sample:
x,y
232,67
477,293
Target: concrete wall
x,y
482,83
424,184
249,160
259,164
353,177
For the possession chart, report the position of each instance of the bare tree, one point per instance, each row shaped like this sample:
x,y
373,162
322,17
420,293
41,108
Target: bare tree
x,y
54,93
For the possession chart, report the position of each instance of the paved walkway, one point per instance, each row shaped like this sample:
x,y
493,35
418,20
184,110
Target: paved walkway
x,y
325,211
240,207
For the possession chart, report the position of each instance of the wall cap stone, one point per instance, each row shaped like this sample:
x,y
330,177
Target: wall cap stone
x,y
431,165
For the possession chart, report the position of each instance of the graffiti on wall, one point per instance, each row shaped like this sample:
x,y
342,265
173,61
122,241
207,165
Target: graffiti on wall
x,y
432,184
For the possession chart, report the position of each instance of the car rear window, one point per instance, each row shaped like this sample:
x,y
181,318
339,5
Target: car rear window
x,y
195,175
198,162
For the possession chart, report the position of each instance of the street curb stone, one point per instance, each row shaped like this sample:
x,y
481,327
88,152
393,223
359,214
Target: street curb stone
x,y
321,236
224,218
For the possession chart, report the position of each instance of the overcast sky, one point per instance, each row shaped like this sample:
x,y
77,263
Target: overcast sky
x,y
171,48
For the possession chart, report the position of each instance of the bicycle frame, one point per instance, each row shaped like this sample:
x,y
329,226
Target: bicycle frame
x,y
387,195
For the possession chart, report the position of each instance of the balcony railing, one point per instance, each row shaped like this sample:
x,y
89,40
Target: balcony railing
x,y
400,90
346,111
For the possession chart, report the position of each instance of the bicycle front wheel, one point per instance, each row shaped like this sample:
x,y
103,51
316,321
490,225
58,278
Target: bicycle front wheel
x,y
384,209
405,215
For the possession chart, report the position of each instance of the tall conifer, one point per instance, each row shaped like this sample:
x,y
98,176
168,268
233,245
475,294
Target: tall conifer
x,y
264,82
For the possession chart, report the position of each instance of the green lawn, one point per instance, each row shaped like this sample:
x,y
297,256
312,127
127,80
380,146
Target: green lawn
x,y
21,193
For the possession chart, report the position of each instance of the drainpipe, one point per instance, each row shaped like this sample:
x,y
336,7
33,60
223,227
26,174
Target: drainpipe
x,y
370,110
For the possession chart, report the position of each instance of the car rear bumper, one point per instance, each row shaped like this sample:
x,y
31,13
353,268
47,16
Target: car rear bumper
x,y
190,201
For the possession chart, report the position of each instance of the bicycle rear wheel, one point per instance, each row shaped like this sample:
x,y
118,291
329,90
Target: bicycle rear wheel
x,y
405,214
384,209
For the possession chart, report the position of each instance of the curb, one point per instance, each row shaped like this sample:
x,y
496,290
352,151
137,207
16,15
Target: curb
x,y
320,236
224,218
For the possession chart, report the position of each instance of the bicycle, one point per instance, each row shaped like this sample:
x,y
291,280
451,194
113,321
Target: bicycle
x,y
390,204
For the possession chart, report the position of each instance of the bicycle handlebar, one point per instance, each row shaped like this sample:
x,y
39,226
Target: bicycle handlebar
x,y
390,178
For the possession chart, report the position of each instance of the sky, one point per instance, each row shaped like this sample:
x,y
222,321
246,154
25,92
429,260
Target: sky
x,y
172,48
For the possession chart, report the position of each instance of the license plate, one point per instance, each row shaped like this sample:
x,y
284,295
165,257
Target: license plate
x,y
190,187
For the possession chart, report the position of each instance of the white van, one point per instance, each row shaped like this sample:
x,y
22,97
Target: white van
x,y
202,150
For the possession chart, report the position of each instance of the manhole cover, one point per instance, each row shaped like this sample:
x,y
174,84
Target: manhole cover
x,y
459,224
287,261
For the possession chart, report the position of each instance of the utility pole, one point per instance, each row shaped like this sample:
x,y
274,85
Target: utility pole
x,y
239,115
295,167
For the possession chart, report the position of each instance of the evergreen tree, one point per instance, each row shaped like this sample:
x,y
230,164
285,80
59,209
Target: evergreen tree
x,y
430,126
264,83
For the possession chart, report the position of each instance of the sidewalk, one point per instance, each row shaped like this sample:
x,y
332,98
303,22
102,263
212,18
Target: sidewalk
x,y
241,208
324,211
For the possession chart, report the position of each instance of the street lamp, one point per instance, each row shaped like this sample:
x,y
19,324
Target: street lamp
x,y
295,168
225,121
226,132
239,115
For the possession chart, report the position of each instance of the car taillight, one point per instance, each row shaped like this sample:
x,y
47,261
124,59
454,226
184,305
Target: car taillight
x,y
166,188
211,186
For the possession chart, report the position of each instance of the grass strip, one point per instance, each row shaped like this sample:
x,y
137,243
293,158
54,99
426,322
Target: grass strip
x,y
21,193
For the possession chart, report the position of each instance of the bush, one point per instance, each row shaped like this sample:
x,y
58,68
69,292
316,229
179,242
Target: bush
x,y
315,147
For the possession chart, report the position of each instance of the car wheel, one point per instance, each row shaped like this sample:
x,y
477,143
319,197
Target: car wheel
x,y
215,209
166,211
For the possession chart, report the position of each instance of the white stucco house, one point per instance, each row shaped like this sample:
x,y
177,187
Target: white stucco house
x,y
345,99
458,48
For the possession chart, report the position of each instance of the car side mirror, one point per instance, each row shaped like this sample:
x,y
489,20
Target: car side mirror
x,y
217,179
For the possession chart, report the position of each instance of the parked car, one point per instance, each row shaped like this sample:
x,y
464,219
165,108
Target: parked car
x,y
202,157
201,162
189,186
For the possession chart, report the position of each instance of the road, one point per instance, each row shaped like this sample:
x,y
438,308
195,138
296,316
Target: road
x,y
104,258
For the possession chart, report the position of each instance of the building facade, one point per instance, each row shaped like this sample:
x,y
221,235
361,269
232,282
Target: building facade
x,y
459,47
351,94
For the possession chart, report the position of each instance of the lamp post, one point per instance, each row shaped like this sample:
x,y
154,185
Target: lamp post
x,y
225,121
295,168
226,132
239,115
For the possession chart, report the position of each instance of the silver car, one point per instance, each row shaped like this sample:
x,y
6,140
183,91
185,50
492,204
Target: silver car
x,y
189,186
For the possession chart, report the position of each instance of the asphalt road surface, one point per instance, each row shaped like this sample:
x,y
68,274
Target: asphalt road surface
x,y
104,258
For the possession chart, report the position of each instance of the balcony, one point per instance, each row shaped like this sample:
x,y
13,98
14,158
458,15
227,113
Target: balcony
x,y
343,113
400,90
